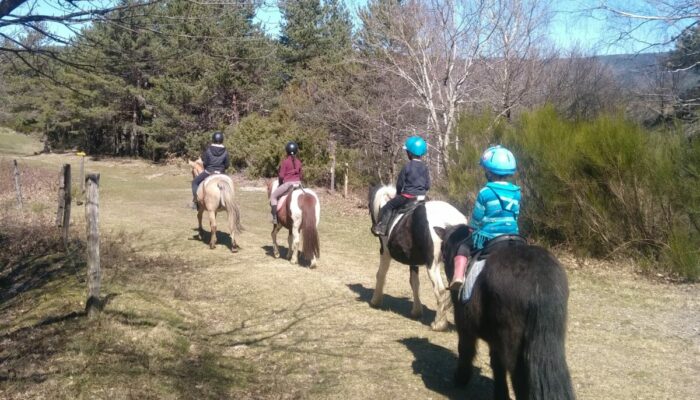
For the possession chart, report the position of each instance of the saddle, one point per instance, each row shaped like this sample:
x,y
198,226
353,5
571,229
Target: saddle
x,y
282,202
404,210
478,260
213,175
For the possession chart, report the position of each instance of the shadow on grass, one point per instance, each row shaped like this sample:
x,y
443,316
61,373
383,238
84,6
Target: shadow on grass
x,y
284,255
222,238
399,305
435,365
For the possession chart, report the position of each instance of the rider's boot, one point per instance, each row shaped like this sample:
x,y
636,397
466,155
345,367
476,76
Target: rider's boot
x,y
380,227
460,269
194,203
273,211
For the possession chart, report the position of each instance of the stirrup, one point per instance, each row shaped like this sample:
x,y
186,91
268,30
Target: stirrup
x,y
456,285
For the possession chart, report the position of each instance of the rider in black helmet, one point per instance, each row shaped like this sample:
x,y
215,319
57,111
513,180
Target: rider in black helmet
x,y
215,159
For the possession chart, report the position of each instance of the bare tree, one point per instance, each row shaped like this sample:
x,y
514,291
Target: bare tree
x,y
580,86
655,24
432,45
516,50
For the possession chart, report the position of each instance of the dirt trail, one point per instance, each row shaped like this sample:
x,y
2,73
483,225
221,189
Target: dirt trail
x,y
311,333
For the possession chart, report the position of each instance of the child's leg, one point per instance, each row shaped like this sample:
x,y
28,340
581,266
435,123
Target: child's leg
x,y
385,214
461,261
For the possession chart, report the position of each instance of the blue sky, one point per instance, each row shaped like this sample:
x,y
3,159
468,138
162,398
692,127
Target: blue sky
x,y
569,27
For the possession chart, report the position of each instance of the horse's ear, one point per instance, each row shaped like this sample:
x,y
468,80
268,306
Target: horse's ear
x,y
440,232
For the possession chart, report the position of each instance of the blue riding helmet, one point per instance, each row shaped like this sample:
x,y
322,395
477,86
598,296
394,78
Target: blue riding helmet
x,y
498,160
416,146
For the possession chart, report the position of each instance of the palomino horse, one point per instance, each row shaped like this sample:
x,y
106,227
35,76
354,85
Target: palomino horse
x,y
518,306
411,241
299,212
213,195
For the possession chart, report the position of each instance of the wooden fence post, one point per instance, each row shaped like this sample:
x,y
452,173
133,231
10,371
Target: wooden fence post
x,y
345,182
67,200
61,196
18,187
82,174
332,149
92,217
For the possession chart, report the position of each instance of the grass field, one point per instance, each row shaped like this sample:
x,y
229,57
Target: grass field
x,y
181,321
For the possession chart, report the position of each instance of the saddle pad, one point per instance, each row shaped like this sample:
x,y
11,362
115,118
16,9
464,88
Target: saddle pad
x,y
468,287
282,202
217,176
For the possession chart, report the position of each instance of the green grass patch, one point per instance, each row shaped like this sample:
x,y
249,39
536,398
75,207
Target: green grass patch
x,y
15,143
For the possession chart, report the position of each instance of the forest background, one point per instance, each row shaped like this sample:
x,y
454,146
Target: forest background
x,y
608,145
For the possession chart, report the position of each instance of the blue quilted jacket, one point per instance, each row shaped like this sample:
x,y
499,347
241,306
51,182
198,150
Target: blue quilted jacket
x,y
495,212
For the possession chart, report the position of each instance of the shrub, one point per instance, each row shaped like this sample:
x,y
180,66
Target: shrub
x,y
601,186
257,145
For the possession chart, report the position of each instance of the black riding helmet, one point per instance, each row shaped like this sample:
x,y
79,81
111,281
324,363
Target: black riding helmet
x,y
217,137
292,148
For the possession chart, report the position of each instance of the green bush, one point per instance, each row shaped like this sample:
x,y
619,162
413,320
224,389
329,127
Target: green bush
x,y
257,145
605,186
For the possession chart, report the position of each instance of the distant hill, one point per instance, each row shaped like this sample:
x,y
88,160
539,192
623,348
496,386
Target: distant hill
x,y
637,70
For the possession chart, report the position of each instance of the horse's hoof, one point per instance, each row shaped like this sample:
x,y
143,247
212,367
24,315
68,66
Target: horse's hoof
x,y
375,303
293,262
415,314
212,246
439,326
461,378
313,266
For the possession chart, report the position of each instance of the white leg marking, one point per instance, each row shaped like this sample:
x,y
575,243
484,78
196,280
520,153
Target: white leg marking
x,y
384,261
414,280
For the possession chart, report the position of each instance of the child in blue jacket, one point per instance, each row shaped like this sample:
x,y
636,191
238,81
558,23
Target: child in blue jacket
x,y
496,210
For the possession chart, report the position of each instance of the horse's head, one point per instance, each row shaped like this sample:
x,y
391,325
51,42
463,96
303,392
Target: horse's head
x,y
271,184
197,167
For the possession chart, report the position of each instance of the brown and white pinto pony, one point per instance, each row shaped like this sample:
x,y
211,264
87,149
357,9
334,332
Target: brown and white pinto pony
x,y
412,241
299,212
214,194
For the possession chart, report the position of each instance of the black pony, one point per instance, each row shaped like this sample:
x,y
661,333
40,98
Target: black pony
x,y
518,306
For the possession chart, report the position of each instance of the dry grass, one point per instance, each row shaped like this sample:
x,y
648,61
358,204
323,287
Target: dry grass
x,y
182,321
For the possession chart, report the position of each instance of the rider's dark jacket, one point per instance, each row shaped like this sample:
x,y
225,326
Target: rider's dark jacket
x,y
413,180
215,158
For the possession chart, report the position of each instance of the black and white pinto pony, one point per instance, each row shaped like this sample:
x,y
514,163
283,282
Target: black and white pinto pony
x,y
412,241
299,211
518,306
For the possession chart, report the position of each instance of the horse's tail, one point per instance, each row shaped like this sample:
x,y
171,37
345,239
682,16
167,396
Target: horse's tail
x,y
234,213
310,245
543,357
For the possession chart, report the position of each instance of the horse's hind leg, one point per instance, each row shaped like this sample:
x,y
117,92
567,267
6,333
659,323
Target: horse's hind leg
x,y
467,350
212,224
384,260
293,241
414,280
199,220
441,295
500,385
